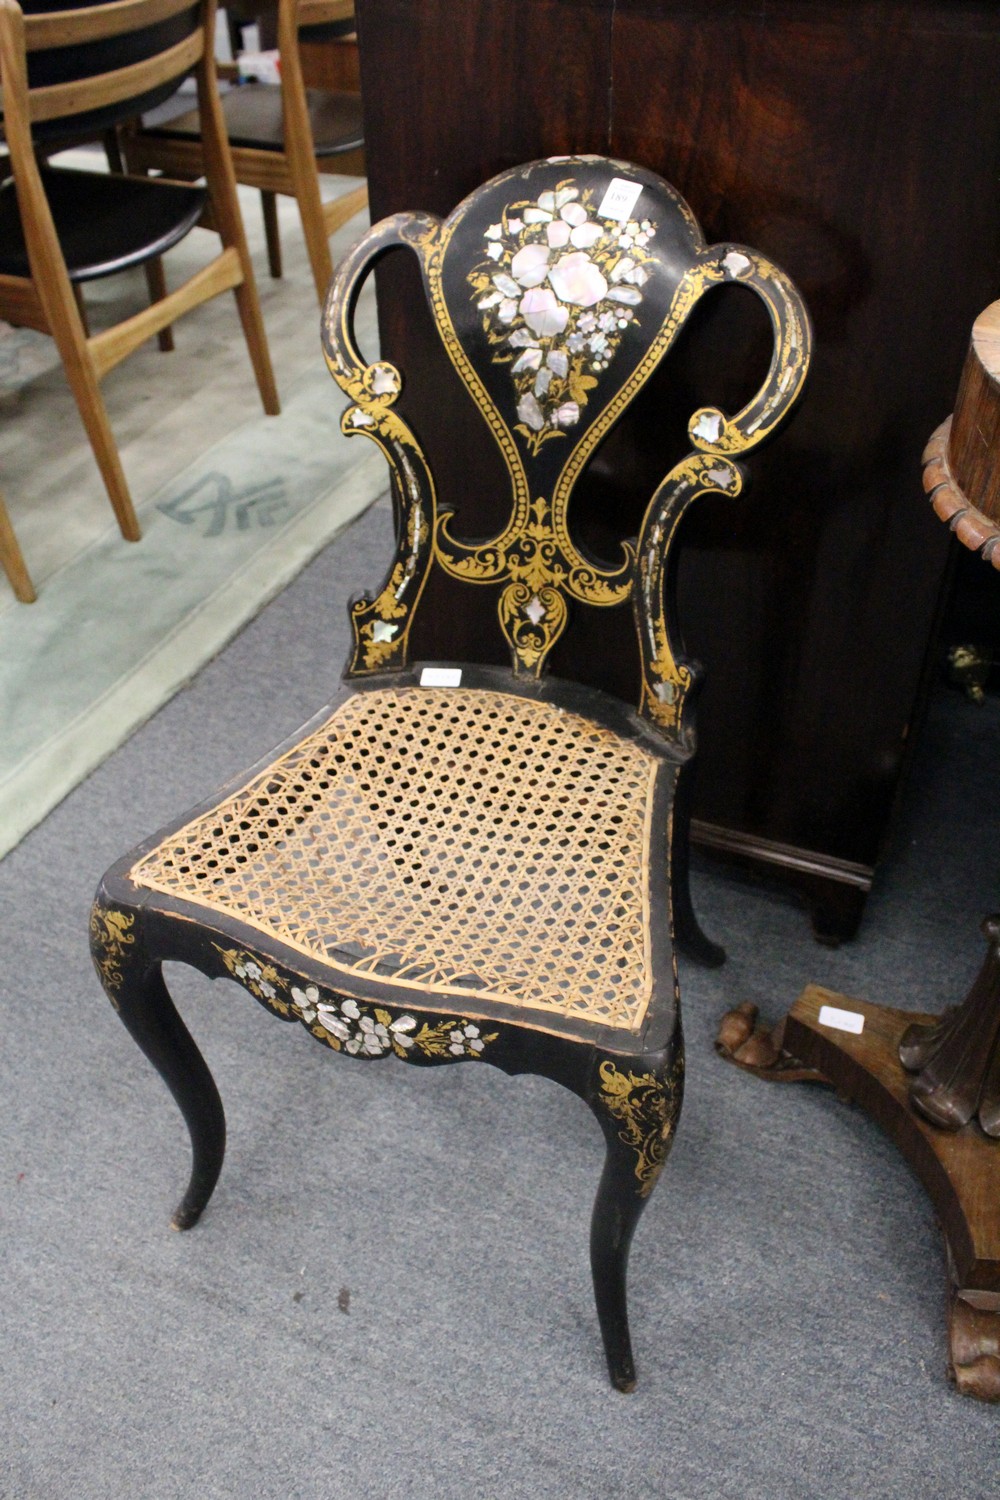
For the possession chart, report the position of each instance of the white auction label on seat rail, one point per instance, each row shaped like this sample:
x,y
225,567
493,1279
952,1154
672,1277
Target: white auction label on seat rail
x,y
441,677
620,199
841,1020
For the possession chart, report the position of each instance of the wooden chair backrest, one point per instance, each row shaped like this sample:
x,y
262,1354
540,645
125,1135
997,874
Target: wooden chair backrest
x,y
557,288
338,13
90,66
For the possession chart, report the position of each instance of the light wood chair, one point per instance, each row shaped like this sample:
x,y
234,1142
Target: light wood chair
x,y
461,864
281,136
72,73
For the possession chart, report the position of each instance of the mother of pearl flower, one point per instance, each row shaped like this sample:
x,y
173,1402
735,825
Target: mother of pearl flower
x,y
530,265
575,279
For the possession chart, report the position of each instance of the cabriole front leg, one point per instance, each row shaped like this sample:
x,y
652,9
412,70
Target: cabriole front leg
x,y
637,1101
134,985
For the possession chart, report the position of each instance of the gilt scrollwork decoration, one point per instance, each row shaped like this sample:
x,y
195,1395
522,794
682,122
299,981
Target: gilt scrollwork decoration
x,y
557,290
359,1029
667,679
111,937
646,1106
540,566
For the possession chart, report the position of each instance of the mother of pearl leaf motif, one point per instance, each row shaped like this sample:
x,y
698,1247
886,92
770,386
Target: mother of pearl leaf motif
x,y
557,288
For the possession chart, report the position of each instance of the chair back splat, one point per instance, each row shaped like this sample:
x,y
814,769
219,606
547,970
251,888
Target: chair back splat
x,y
557,289
477,864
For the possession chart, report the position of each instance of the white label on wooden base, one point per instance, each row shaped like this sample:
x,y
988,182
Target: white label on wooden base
x,y
441,677
841,1020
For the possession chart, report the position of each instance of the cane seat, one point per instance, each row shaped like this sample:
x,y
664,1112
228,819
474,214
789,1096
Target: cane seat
x,y
470,844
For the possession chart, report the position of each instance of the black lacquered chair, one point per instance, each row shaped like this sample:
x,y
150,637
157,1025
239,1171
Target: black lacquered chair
x,y
470,864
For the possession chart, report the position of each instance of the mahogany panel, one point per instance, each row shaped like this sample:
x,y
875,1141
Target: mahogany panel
x,y
826,135
857,144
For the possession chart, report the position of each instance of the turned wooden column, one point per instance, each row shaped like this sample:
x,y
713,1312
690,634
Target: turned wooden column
x,y
961,463
957,1060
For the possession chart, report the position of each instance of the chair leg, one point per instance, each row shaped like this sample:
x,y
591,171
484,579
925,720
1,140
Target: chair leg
x,y
156,282
113,151
269,208
12,561
691,940
637,1105
93,413
229,225
248,304
139,994
313,228
81,307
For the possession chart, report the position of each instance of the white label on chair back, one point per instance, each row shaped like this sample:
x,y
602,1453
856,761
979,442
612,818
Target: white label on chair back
x,y
620,199
841,1020
441,677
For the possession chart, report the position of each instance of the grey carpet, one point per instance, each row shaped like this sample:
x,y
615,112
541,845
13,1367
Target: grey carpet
x,y
389,1294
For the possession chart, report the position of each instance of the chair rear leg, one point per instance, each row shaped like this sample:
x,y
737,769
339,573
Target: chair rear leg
x,y
272,233
156,281
12,561
691,940
113,151
137,991
226,220
81,307
637,1106
314,230
248,304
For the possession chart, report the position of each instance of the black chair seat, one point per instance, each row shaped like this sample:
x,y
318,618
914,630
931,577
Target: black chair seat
x,y
104,223
254,120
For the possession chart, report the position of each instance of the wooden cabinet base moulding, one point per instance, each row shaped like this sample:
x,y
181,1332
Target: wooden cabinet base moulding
x,y
834,891
959,1170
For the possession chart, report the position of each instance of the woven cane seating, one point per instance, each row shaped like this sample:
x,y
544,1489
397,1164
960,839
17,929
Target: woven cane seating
x,y
460,863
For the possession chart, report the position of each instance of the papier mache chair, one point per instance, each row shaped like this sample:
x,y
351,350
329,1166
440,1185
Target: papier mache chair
x,y
473,864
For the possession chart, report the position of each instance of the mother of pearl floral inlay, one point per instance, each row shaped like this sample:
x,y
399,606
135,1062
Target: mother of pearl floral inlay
x,y
557,288
353,1026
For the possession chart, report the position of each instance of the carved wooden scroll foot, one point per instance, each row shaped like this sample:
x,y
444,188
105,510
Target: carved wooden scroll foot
x,y
757,1049
974,1348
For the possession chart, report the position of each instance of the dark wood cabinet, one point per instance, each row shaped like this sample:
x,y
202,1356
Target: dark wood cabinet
x,y
858,145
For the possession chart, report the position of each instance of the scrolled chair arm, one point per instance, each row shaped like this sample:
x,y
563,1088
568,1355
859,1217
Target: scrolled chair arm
x,y
381,625
670,682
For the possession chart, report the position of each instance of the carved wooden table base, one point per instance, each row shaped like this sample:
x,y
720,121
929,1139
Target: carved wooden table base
x,y
960,1169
